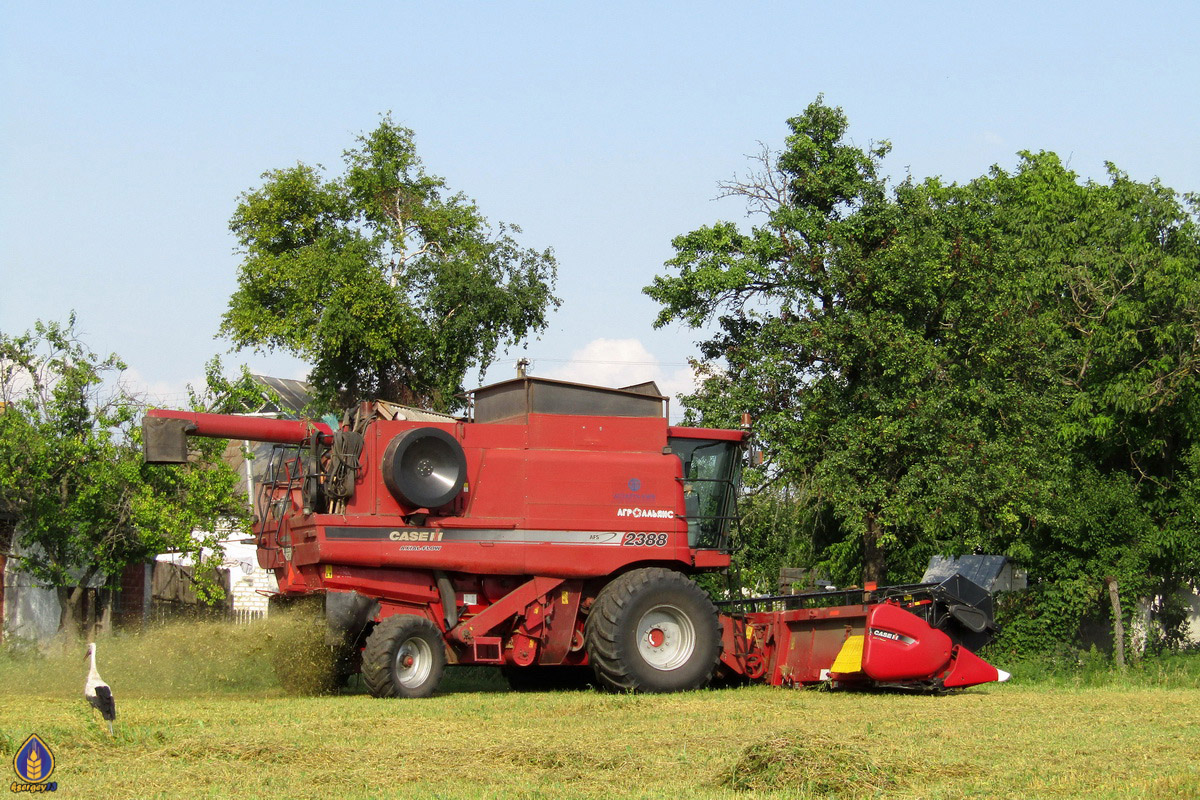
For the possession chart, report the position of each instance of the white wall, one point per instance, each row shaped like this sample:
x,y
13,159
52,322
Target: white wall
x,y
247,579
31,611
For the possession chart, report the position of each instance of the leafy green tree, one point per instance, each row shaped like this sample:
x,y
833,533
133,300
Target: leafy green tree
x,y
779,528
851,325
388,284
1006,365
240,394
72,474
1118,265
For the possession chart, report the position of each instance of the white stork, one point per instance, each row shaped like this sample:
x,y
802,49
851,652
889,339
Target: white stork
x,y
97,693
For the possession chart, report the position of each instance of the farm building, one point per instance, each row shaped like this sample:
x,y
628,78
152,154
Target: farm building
x,y
154,590
164,586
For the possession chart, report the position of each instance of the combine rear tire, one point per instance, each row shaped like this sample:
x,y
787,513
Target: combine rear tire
x,y
653,630
404,657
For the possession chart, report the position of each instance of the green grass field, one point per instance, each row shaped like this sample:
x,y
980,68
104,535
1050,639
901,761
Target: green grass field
x,y
201,715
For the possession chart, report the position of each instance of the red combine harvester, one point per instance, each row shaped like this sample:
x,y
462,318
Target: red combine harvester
x,y
555,534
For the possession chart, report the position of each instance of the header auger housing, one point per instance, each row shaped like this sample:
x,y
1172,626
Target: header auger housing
x,y
554,534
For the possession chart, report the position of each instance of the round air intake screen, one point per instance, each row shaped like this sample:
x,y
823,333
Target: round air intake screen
x,y
424,468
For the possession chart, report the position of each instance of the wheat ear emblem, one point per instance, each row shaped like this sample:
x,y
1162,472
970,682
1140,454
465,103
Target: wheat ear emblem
x,y
33,766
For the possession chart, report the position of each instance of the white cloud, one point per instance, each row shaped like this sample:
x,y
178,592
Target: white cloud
x,y
162,394
992,138
174,394
607,362
17,382
14,380
620,362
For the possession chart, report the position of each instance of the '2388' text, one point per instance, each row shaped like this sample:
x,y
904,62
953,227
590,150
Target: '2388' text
x,y
645,539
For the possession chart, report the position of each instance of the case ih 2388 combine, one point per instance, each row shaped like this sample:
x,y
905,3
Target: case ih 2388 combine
x,y
559,528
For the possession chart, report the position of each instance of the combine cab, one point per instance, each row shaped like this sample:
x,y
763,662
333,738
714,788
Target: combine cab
x,y
555,535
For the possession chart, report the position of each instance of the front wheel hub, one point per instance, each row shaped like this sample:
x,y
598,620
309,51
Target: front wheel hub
x,y
666,637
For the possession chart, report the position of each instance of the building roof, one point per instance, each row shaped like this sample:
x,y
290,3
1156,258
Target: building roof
x,y
294,396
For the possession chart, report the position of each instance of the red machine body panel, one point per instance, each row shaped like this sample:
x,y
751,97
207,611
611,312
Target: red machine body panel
x,y
899,645
800,647
536,514
609,495
555,473
969,669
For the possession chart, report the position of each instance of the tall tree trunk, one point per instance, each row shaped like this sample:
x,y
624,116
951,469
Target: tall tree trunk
x,y
71,602
3,566
1141,627
1118,625
3,614
7,534
873,555
89,613
104,618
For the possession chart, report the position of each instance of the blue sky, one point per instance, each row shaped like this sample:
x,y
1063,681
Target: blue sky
x,y
128,130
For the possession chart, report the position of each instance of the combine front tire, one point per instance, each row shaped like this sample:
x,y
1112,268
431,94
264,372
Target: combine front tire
x,y
404,657
653,630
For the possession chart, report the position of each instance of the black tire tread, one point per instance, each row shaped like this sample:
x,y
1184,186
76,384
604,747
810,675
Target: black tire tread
x,y
603,628
379,654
